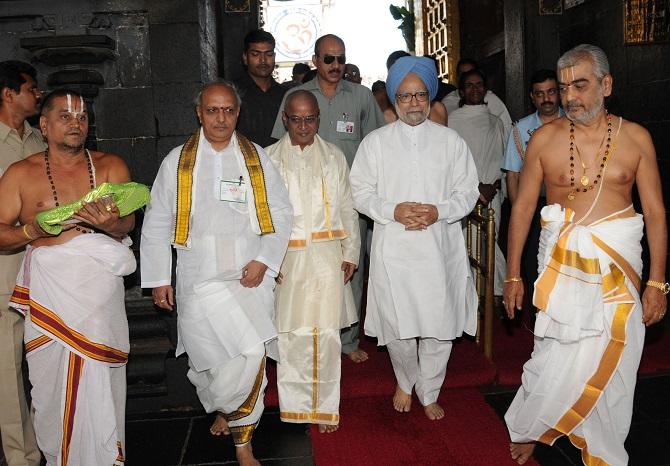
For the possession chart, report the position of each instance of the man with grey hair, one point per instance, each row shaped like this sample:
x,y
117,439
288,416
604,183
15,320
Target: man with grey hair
x,y
219,201
590,329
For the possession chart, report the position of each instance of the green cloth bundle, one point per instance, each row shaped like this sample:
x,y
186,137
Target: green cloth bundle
x,y
128,197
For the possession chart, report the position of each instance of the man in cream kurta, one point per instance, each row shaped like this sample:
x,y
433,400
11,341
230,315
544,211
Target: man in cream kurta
x,y
220,202
417,180
485,136
314,299
18,100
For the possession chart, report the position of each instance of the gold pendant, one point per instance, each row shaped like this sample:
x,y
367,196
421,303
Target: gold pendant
x,y
584,180
571,196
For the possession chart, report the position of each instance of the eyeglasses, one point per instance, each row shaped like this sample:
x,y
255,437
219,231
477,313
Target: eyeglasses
x,y
351,74
406,97
328,59
296,120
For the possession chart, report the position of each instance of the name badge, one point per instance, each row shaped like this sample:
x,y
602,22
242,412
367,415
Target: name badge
x,y
345,127
233,191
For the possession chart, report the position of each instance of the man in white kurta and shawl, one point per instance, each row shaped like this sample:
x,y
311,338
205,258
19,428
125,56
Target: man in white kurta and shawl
x,y
222,205
485,135
313,299
589,331
416,179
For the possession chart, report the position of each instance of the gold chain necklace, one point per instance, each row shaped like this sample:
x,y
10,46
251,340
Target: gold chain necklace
x,y
584,180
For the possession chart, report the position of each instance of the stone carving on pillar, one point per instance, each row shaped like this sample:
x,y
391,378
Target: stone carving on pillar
x,y
237,6
72,51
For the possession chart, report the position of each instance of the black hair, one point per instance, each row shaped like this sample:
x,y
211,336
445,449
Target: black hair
x,y
541,76
466,61
393,57
467,74
311,74
378,86
301,68
10,74
317,44
257,36
47,102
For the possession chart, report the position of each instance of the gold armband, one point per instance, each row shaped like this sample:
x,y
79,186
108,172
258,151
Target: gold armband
x,y
25,232
513,279
664,287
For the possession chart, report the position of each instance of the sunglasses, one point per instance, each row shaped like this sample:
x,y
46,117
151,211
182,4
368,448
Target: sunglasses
x,y
328,59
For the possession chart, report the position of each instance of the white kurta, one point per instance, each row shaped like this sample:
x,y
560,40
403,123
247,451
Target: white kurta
x,y
221,324
222,242
493,103
420,283
485,136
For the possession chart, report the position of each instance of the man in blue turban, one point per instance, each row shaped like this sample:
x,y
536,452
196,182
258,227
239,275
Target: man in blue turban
x,y
416,179
425,68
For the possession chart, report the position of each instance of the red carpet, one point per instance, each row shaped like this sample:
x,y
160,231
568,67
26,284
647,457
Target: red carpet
x,y
467,368
372,433
513,345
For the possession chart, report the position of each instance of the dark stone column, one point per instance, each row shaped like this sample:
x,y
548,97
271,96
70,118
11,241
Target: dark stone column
x,y
515,81
236,18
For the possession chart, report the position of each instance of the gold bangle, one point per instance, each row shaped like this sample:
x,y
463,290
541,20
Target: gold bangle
x,y
513,279
25,232
664,287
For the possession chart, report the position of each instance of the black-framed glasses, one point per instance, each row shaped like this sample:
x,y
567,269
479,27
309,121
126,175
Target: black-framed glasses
x,y
406,97
328,59
296,120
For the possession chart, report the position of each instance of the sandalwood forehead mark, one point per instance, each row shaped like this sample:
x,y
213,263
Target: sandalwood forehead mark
x,y
70,106
568,74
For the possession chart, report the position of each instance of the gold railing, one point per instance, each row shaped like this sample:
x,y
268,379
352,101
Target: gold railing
x,y
482,262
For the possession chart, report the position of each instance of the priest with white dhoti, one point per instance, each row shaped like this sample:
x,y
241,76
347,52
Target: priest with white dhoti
x,y
485,136
589,331
313,300
219,201
417,180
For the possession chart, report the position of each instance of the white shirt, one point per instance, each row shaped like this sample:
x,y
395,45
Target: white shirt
x,y
485,136
221,236
420,283
495,105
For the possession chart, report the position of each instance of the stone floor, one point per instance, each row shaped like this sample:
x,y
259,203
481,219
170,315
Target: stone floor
x,y
649,438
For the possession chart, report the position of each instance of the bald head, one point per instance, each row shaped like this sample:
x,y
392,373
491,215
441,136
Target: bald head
x,y
301,97
301,117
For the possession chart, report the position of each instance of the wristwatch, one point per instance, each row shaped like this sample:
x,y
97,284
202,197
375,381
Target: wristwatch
x,y
664,287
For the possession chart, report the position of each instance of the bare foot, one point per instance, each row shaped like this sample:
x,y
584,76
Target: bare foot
x,y
358,356
245,456
521,451
402,401
434,411
327,428
219,426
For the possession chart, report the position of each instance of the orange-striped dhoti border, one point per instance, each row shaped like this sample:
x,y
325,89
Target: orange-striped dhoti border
x,y
589,335
77,345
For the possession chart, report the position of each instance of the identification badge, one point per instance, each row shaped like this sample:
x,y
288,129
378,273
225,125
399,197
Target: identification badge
x,y
233,191
345,127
